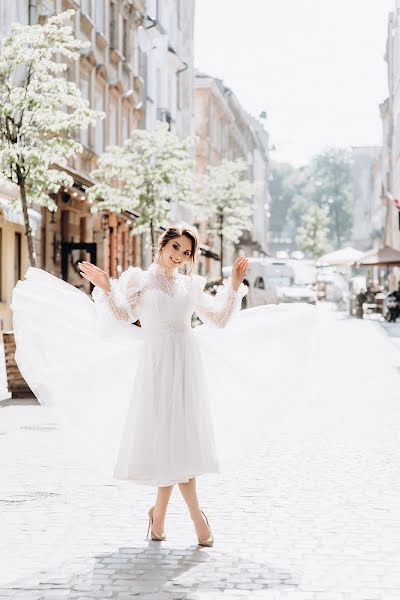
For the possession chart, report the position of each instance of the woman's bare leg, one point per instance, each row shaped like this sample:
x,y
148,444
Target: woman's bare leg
x,y
188,491
160,508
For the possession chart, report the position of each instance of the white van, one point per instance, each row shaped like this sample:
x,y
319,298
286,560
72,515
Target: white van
x,y
265,277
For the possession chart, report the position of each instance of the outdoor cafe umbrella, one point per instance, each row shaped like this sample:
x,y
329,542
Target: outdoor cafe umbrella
x,y
343,257
376,257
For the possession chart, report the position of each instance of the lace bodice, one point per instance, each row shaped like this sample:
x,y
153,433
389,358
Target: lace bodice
x,y
135,296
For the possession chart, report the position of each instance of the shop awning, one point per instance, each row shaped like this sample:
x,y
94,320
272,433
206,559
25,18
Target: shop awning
x,y
15,216
376,257
343,257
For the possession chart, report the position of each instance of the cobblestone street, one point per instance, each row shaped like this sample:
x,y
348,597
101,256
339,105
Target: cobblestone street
x,y
314,515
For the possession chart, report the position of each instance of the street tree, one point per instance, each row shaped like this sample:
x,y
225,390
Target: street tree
x,y
331,175
312,234
40,112
223,198
149,171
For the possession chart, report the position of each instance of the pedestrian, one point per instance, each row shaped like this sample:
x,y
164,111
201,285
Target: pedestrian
x,y
142,393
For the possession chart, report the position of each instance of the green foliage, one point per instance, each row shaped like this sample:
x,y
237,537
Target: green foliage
x,y
331,171
312,234
325,183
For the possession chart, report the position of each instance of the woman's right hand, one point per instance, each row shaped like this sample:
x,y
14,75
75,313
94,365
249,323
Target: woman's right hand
x,y
97,276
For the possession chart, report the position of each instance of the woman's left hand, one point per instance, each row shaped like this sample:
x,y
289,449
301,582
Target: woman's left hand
x,y
238,271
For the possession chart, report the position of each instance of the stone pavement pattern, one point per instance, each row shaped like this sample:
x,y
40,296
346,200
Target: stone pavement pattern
x,y
313,515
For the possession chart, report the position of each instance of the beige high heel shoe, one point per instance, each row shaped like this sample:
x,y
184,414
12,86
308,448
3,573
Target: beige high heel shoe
x,y
210,540
154,536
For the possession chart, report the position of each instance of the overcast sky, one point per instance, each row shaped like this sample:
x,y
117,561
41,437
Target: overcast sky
x,y
315,66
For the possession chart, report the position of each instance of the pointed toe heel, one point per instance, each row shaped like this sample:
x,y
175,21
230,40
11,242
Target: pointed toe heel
x,y
154,536
210,540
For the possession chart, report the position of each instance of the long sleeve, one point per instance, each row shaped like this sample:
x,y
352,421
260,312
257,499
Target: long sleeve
x,y
217,310
123,299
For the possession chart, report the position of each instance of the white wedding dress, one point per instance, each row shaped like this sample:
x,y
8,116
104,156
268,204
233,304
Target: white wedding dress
x,y
164,402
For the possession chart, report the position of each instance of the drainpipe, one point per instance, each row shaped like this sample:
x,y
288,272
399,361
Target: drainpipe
x,y
32,12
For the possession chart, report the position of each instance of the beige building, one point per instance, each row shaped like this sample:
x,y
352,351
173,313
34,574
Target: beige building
x,y
139,68
225,130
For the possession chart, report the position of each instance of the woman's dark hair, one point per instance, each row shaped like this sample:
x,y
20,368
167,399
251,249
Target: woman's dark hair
x,y
176,231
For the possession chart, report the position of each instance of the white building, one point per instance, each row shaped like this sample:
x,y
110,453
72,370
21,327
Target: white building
x,y
390,113
368,210
168,41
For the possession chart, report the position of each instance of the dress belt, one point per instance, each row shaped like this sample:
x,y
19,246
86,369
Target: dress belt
x,y
167,327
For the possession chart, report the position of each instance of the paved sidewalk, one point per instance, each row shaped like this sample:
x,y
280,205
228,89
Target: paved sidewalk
x,y
314,515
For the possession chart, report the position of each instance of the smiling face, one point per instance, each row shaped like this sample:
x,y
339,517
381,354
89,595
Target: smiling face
x,y
176,252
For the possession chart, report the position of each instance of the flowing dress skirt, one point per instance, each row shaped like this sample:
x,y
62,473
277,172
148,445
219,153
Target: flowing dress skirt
x,y
158,408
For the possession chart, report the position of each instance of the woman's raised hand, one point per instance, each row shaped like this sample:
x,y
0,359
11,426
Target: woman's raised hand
x,y
97,276
238,271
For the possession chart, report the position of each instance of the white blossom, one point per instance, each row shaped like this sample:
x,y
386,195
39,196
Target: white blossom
x,y
224,199
41,112
146,174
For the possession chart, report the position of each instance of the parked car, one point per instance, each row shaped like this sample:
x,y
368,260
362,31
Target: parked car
x,y
272,281
297,293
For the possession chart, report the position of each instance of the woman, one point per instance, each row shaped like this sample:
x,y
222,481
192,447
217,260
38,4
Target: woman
x,y
168,436
146,401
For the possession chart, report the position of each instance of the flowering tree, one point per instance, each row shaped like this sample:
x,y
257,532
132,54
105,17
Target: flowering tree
x,y
144,174
223,198
40,111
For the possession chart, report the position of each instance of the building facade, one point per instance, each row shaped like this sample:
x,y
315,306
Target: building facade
x,y
225,130
139,68
390,114
368,210
167,39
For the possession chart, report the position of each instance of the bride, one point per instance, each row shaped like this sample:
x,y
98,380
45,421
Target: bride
x,y
161,403
168,436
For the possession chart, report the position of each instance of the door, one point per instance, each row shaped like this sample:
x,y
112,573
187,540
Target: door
x,y
71,254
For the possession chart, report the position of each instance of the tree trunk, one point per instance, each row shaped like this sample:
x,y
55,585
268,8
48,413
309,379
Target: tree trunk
x,y
28,230
221,238
152,238
337,226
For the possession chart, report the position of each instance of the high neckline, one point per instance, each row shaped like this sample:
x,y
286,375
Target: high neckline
x,y
157,268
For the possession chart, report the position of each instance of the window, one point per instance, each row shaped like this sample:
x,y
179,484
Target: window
x,y
172,89
99,131
125,39
135,53
125,123
179,90
85,7
114,25
100,16
112,121
152,9
142,63
179,7
259,283
17,256
85,89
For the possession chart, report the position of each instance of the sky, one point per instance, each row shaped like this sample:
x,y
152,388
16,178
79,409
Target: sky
x,y
316,66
